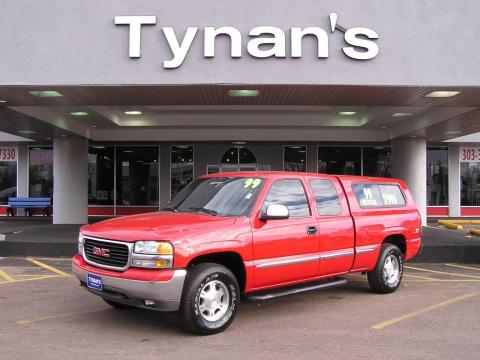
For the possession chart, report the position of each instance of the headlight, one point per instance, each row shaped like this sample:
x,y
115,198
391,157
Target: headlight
x,y
152,254
81,240
153,248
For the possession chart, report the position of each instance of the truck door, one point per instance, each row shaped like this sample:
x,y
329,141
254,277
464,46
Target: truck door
x,y
285,250
336,227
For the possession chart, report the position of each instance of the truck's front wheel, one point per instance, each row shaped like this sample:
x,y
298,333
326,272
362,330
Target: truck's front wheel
x,y
210,299
387,275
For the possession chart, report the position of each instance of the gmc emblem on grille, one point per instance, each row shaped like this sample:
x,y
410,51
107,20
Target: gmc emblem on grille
x,y
101,252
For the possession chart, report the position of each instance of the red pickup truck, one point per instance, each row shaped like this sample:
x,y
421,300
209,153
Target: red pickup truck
x,y
257,234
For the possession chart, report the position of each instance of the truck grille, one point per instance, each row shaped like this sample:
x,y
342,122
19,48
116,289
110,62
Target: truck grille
x,y
117,253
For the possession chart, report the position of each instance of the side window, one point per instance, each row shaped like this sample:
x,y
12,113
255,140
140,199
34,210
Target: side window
x,y
392,195
368,195
326,197
289,192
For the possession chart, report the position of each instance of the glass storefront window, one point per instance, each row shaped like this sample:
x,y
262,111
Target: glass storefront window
x,y
376,161
339,160
8,180
100,175
470,183
41,172
137,176
295,158
437,176
181,167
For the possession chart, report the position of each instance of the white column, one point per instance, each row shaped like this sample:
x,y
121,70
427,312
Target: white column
x,y
70,180
454,180
409,163
22,174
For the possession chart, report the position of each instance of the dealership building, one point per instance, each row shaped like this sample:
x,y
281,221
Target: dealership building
x,y
111,107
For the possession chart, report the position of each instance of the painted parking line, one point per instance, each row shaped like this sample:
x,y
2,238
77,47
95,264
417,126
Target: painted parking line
x,y
441,272
47,267
396,320
40,277
58,316
5,276
463,267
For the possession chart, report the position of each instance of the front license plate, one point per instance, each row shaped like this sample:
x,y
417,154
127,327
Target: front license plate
x,y
94,282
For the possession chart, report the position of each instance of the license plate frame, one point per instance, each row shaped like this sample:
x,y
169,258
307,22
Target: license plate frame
x,y
94,282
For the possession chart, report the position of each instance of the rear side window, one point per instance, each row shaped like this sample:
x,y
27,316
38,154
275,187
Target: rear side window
x,y
391,195
326,197
289,192
378,195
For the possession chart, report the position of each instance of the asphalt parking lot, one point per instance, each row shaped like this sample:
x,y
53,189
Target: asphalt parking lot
x,y
44,314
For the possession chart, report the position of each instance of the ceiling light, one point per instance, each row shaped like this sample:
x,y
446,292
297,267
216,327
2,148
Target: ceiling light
x,y
347,113
243,93
27,132
3,101
64,136
45,93
401,114
442,94
414,136
49,138
93,126
452,132
384,127
133,112
239,142
79,113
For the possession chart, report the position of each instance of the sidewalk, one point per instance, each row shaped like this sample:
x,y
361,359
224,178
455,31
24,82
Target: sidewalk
x,y
38,237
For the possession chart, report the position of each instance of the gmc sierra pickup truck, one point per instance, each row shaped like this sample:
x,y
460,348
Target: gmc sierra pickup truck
x,y
256,234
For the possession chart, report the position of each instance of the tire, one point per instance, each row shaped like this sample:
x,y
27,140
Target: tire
x,y
387,275
117,305
210,299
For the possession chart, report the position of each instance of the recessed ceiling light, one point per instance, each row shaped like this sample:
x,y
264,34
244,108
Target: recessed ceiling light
x,y
401,114
79,113
347,113
45,93
128,151
27,131
93,126
243,93
452,132
98,147
49,138
442,94
133,112
384,127
239,142
3,101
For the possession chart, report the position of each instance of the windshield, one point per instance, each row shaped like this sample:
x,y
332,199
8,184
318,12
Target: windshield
x,y
225,196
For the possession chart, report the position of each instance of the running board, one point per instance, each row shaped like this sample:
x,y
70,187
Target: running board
x,y
297,290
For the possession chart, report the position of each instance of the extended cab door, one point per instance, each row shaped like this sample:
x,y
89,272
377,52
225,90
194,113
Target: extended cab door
x,y
335,223
285,250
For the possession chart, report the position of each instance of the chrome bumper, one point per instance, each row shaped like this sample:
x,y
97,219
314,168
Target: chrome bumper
x,y
166,295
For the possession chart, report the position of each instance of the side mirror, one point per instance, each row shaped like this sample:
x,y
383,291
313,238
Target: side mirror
x,y
275,211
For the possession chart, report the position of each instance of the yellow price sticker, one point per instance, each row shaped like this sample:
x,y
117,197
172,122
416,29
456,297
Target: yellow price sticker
x,y
252,183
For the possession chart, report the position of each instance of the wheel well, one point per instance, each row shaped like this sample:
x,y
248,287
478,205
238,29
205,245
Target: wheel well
x,y
231,260
398,240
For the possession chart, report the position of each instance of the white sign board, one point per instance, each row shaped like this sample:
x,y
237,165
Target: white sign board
x,y
8,153
469,153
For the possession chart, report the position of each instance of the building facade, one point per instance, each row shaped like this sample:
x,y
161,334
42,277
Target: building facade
x,y
112,107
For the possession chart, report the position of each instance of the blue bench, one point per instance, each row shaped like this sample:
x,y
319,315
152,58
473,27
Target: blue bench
x,y
28,204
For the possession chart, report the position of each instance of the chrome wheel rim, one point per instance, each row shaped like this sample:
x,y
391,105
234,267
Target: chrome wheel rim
x,y
214,300
391,269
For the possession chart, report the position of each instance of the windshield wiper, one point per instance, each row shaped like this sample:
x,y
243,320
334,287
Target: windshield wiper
x,y
204,210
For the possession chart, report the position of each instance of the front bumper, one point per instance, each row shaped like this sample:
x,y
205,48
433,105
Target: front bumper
x,y
166,295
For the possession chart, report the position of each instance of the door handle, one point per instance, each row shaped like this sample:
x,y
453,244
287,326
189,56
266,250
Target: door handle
x,y
312,230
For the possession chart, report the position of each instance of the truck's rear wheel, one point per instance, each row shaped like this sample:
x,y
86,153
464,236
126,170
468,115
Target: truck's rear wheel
x,y
387,275
210,299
